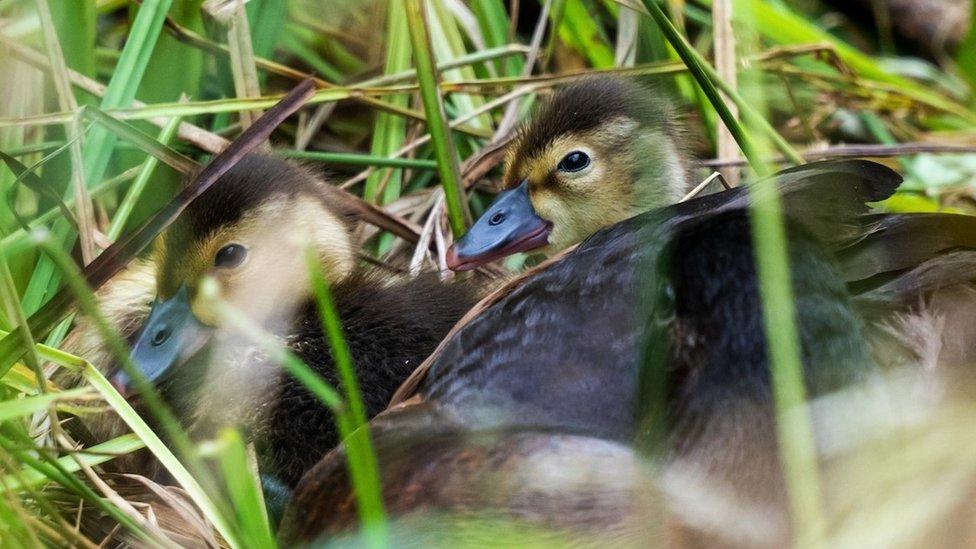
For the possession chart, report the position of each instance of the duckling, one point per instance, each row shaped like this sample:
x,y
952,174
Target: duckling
x,y
536,428
602,150
554,201
250,233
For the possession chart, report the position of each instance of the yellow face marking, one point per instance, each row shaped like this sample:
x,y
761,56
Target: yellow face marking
x,y
273,278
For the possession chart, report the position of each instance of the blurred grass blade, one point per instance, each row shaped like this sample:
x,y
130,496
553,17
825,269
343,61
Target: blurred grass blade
x,y
966,53
119,254
580,30
179,161
94,455
441,139
360,457
794,423
20,407
244,490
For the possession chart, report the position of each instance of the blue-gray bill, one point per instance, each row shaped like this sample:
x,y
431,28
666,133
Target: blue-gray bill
x,y
508,226
171,335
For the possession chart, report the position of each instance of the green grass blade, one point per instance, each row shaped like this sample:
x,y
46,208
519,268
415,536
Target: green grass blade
x,y
353,159
75,24
244,490
579,29
361,459
697,66
798,453
94,455
493,20
509,50
179,161
390,131
21,407
440,135
125,208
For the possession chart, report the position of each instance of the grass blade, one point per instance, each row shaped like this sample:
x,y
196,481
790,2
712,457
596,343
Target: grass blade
x,y
125,208
20,407
360,457
244,490
95,455
179,161
242,61
443,144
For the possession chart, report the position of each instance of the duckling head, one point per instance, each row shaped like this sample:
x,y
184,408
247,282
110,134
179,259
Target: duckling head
x,y
249,234
602,150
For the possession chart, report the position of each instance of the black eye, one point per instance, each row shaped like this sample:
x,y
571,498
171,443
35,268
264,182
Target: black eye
x,y
574,162
230,256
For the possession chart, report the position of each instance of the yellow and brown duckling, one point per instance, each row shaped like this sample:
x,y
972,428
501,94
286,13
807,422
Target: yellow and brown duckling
x,y
602,150
583,163
251,233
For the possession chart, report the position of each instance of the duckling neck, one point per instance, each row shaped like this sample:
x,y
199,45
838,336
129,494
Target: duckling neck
x,y
660,175
389,328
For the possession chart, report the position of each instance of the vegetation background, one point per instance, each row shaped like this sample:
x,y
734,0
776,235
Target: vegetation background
x,y
106,106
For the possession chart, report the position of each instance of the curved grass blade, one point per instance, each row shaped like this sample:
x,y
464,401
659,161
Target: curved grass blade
x,y
179,161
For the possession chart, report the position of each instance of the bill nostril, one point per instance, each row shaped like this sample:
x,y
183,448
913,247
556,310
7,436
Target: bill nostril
x,y
161,336
496,218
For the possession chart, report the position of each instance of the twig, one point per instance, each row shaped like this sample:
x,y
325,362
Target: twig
x,y
701,186
423,245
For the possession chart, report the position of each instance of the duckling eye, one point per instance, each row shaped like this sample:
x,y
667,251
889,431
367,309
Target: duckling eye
x,y
230,256
574,162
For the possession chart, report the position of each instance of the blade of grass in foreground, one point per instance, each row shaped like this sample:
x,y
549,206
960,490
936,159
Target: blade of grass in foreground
x,y
440,135
360,457
798,452
244,490
794,424
359,453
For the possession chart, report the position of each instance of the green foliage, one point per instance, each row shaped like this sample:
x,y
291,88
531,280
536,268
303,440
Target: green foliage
x,y
407,91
